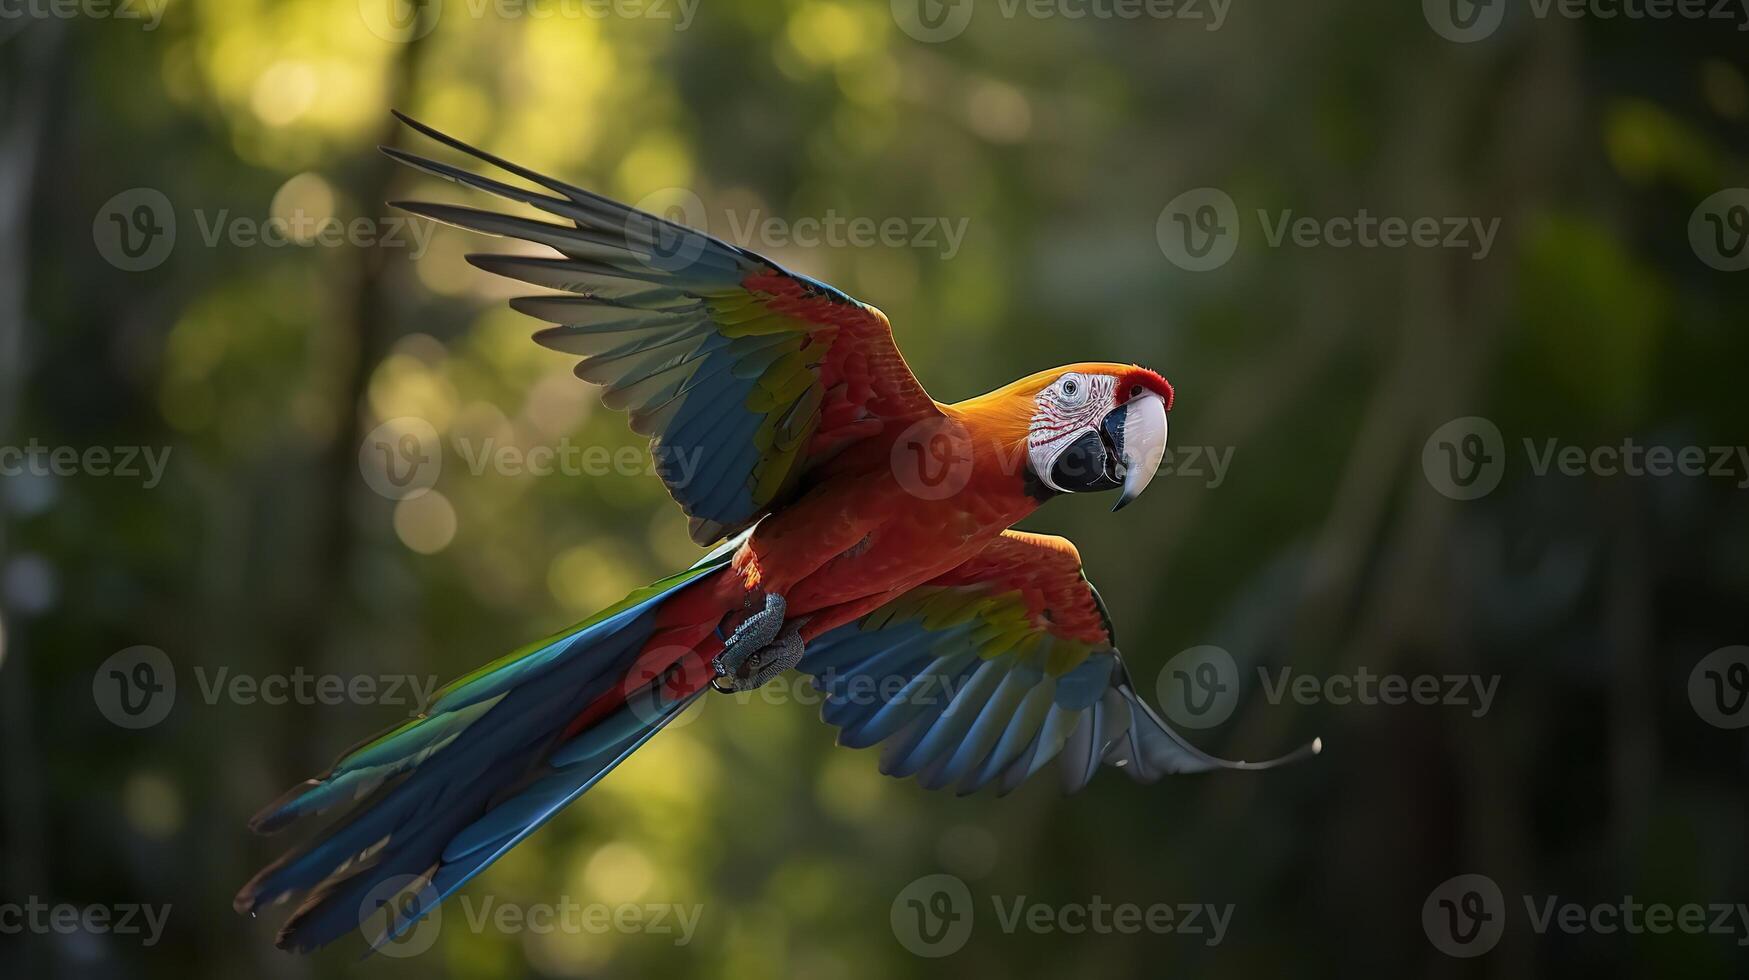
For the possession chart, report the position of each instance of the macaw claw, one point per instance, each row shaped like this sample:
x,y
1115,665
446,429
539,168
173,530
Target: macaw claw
x,y
761,648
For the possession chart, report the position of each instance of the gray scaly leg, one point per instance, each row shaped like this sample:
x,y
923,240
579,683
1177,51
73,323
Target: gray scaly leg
x,y
760,648
754,634
770,661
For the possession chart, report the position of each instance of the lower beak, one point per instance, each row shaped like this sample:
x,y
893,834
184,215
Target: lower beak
x,y
1139,433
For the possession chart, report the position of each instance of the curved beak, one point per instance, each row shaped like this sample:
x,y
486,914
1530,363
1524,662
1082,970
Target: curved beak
x,y
1138,433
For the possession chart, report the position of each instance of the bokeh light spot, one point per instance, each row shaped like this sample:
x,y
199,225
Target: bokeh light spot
x,y
153,804
303,204
283,92
618,872
426,523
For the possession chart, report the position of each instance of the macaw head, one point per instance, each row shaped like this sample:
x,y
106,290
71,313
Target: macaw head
x,y
1098,427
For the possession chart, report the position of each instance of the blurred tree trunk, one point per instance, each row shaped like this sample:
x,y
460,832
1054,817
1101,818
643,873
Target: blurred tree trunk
x,y
309,624
23,80
366,314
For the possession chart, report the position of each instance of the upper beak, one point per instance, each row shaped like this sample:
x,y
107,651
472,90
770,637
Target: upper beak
x,y
1138,432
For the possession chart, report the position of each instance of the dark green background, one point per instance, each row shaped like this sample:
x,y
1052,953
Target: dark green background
x,y
1059,141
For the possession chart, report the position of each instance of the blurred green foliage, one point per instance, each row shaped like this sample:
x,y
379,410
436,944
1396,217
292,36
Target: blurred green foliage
x,y
1058,142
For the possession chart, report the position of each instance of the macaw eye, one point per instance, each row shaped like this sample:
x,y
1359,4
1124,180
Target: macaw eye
x,y
1072,390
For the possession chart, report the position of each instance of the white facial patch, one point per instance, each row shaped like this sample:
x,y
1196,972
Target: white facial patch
x,y
1072,406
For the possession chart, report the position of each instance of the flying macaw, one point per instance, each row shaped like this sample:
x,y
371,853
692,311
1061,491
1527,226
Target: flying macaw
x,y
866,539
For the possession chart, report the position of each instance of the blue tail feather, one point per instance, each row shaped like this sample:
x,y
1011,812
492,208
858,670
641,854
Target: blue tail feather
x,y
446,795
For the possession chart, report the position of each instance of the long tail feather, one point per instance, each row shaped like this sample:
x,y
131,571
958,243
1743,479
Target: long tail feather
x,y
501,751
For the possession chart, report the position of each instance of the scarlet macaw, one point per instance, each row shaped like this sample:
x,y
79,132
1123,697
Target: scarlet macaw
x,y
821,461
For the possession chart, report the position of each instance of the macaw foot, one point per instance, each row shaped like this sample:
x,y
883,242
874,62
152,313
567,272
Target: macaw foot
x,y
760,648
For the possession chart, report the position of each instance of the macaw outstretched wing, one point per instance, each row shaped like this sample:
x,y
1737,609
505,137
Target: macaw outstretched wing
x,y
985,674
742,373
